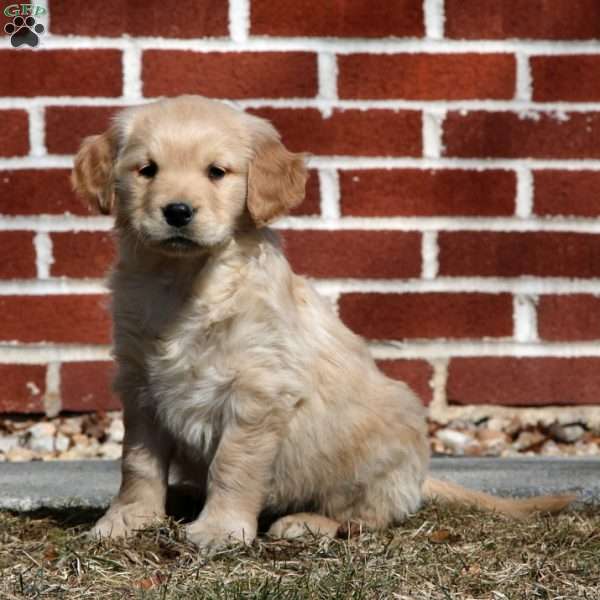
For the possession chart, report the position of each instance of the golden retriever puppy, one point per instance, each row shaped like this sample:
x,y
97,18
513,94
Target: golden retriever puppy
x,y
230,366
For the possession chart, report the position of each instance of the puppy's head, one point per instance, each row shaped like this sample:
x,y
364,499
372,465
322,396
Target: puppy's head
x,y
183,175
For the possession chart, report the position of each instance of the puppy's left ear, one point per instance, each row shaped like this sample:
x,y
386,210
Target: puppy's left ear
x,y
276,177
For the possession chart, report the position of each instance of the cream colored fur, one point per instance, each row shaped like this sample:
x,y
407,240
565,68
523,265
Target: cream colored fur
x,y
231,367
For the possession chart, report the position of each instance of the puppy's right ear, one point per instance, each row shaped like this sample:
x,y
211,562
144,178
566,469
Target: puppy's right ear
x,y
92,175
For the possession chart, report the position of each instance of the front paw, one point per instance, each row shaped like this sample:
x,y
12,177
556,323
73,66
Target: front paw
x,y
123,519
215,534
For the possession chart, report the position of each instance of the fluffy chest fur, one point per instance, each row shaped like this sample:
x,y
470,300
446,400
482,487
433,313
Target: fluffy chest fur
x,y
195,354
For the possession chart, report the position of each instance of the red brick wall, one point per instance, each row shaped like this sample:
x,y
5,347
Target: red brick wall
x,y
452,212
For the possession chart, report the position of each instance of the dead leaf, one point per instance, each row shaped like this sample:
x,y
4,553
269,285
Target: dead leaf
x,y
473,569
443,536
50,552
150,582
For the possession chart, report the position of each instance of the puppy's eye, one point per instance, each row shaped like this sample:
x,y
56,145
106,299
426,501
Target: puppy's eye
x,y
215,173
149,170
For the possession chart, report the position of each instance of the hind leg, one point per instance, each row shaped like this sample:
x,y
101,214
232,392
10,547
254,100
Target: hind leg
x,y
384,501
302,524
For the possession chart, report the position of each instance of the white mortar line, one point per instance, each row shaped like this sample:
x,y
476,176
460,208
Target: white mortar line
x,y
431,350
329,185
334,287
429,255
434,19
52,397
482,164
524,200
334,300
489,285
525,318
239,21
42,162
55,223
316,44
132,73
32,354
439,381
523,85
552,109
37,130
500,224
363,162
52,286
43,255
432,128
27,102
328,73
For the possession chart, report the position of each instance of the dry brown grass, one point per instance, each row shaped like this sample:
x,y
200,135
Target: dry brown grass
x,y
439,553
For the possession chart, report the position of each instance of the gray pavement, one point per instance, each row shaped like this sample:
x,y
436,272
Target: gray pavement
x,y
524,476
58,484
92,483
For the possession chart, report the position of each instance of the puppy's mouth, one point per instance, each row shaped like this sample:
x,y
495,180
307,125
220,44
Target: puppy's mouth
x,y
179,244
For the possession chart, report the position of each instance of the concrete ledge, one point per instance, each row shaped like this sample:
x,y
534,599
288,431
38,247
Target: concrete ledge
x,y
58,484
524,476
92,483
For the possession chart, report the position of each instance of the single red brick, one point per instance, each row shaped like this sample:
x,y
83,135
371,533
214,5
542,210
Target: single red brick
x,y
337,18
160,18
529,19
524,381
66,126
369,254
416,373
61,73
60,319
82,254
502,254
565,78
87,386
38,191
427,193
229,74
351,132
569,318
23,388
570,193
510,135
426,76
14,133
18,255
311,205
429,315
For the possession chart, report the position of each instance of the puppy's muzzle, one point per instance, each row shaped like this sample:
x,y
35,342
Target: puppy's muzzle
x,y
178,214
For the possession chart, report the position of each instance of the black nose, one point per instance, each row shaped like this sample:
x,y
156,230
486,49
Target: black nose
x,y
178,214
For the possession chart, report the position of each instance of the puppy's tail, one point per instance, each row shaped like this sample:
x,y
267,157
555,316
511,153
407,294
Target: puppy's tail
x,y
434,489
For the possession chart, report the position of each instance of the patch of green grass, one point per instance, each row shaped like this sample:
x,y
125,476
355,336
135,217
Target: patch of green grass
x,y
441,553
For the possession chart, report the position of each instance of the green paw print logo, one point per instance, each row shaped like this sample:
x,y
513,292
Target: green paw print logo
x,y
24,29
